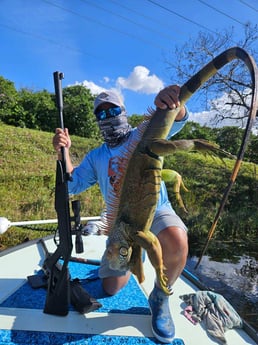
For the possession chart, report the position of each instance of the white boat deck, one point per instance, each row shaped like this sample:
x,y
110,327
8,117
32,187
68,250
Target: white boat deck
x,y
16,265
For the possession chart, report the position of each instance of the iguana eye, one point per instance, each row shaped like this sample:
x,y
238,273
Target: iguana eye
x,y
123,251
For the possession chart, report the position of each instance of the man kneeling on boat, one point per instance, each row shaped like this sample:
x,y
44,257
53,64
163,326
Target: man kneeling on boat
x,y
96,167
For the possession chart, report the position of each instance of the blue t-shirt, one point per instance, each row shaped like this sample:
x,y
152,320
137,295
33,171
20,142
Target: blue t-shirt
x,y
101,164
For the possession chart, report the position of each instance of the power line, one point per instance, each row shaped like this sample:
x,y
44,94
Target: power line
x,y
248,5
181,16
221,12
77,14
43,38
102,24
65,46
125,18
53,42
143,15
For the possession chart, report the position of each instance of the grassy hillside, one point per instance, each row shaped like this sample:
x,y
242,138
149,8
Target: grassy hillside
x,y
27,180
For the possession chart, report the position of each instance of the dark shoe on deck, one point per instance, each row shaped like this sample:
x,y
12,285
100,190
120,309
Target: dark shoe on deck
x,y
162,323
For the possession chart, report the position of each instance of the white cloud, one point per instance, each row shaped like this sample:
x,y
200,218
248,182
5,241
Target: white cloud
x,y
207,118
94,88
140,80
203,117
106,79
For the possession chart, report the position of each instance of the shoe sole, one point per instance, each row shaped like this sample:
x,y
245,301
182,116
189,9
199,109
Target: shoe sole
x,y
163,340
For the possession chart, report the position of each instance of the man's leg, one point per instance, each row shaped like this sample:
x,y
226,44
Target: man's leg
x,y
112,285
112,280
174,245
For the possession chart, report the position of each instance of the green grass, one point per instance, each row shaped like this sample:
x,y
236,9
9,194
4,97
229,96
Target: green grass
x,y
27,180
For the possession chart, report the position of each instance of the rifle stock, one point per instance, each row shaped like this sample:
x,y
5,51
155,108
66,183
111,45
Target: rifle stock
x,y
58,292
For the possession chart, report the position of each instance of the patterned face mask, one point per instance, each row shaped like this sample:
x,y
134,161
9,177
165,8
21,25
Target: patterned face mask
x,y
115,129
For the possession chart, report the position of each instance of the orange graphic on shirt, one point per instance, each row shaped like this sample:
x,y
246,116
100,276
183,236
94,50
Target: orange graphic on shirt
x,y
114,172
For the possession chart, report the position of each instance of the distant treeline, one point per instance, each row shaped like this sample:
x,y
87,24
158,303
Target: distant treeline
x,y
37,110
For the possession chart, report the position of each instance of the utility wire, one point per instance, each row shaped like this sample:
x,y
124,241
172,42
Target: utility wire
x,y
221,12
67,47
248,5
126,19
58,44
43,38
102,24
143,15
181,16
135,23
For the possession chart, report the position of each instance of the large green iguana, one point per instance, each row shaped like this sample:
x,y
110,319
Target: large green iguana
x,y
133,206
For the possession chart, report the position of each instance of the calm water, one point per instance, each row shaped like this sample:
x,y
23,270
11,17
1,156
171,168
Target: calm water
x,y
233,275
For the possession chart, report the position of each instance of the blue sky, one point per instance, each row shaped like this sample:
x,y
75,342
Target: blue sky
x,y
108,43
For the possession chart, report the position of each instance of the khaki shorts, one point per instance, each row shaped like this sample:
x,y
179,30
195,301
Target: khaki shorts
x,y
163,218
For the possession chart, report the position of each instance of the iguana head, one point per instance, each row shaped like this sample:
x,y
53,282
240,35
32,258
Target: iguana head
x,y
119,255
119,249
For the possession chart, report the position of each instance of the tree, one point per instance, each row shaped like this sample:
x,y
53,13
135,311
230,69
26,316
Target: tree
x,y
46,111
252,149
135,120
232,82
193,130
78,112
39,109
11,112
229,138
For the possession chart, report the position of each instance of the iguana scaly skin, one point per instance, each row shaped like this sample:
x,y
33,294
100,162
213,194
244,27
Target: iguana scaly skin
x,y
134,204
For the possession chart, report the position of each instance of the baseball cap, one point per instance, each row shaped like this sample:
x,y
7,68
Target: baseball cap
x,y
108,96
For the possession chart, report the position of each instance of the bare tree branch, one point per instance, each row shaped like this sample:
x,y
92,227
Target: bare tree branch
x,y
232,82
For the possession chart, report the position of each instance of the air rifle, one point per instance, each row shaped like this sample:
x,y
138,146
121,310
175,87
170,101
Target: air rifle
x,y
59,287
61,290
